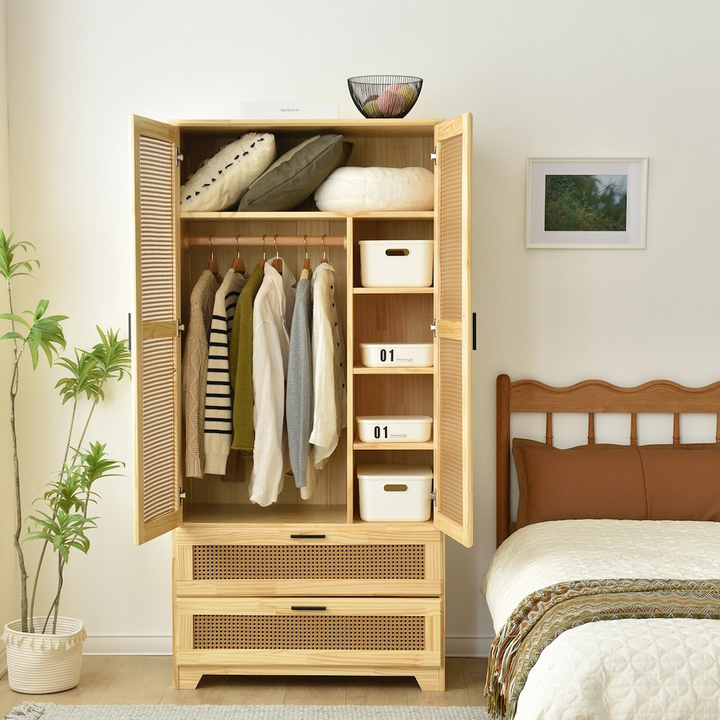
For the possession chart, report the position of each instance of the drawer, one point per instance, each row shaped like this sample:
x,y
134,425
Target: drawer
x,y
345,560
309,631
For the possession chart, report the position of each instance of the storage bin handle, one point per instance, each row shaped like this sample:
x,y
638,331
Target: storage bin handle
x,y
397,252
395,487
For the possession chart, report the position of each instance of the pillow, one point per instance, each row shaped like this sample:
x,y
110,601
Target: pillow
x,y
295,176
376,189
222,180
590,481
682,481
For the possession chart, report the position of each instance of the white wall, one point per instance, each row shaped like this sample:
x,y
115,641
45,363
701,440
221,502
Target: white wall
x,y
8,581
558,78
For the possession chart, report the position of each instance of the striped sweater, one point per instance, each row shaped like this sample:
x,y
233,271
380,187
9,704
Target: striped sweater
x,y
218,396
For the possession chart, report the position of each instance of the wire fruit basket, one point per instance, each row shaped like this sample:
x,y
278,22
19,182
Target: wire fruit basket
x,y
385,96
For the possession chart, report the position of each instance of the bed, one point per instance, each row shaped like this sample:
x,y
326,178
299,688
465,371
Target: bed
x,y
606,600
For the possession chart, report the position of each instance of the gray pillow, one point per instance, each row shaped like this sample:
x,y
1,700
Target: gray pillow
x,y
295,176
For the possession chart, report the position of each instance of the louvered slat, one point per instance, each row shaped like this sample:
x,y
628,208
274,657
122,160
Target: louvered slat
x,y
453,472
157,352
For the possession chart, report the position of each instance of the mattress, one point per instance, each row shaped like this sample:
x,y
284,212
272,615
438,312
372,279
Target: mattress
x,y
650,669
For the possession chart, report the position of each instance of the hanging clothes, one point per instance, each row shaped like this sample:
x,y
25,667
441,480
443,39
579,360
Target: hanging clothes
x,y
194,366
274,305
218,395
328,348
299,396
241,353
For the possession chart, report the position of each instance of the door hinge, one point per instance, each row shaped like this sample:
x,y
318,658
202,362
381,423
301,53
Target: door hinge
x,y
181,495
180,327
178,156
433,327
433,496
434,154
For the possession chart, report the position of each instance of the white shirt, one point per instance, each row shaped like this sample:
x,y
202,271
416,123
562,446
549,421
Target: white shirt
x,y
272,314
328,347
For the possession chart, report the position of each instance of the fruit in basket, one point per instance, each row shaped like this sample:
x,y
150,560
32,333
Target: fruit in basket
x,y
408,94
391,103
371,109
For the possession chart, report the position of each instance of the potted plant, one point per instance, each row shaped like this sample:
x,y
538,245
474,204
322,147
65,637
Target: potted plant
x,y
44,651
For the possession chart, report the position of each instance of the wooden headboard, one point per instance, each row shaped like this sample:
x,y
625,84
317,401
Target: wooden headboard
x,y
591,397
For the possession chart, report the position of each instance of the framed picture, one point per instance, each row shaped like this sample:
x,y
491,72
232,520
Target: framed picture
x,y
593,203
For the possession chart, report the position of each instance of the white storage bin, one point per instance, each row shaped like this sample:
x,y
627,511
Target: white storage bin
x,y
395,428
395,493
396,263
395,354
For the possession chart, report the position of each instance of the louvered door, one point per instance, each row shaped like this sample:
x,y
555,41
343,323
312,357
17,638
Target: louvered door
x,y
453,396
156,345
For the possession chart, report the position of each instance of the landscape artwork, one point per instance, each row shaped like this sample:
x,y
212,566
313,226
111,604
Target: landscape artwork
x,y
596,203
589,203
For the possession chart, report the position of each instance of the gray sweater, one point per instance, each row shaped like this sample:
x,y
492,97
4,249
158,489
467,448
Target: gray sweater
x,y
299,395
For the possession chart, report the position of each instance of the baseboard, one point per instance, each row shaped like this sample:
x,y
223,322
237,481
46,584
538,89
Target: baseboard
x,y
3,662
467,646
455,645
128,645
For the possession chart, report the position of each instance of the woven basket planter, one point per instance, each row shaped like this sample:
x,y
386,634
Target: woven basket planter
x,y
39,664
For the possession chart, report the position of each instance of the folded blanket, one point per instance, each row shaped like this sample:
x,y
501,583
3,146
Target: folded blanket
x,y
546,614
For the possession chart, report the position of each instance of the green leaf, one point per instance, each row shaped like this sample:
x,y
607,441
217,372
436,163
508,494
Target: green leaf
x,y
16,318
41,308
12,336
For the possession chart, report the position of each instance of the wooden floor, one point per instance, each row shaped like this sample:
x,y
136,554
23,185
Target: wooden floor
x,y
146,680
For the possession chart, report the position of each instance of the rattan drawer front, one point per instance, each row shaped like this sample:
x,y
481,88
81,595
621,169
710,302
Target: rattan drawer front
x,y
308,631
316,566
309,562
335,630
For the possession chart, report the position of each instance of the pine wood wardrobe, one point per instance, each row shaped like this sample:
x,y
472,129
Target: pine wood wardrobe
x,y
307,588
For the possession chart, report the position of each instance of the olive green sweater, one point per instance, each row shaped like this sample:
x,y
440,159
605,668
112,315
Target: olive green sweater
x,y
241,353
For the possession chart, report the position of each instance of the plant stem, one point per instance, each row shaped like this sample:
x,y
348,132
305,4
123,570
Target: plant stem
x,y
72,426
87,423
16,467
56,602
45,544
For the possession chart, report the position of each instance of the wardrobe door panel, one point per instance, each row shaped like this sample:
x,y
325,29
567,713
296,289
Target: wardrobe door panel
x,y
453,393
156,342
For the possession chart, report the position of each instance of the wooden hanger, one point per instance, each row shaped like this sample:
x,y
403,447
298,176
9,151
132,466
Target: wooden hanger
x,y
212,265
277,260
238,264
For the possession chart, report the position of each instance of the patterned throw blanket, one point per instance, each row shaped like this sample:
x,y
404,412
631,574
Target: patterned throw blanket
x,y
546,614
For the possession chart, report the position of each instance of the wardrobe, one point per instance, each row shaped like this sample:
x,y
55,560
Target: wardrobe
x,y
307,587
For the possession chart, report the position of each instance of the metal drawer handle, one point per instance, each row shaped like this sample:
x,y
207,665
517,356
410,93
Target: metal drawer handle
x,y
316,608
307,537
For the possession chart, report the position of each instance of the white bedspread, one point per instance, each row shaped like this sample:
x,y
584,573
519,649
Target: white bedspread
x,y
621,669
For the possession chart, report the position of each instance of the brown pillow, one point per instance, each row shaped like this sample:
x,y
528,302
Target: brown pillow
x,y
682,481
590,481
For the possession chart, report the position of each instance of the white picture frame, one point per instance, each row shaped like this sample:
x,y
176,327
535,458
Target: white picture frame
x,y
586,203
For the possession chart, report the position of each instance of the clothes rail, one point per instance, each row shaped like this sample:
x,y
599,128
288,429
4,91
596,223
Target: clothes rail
x,y
217,241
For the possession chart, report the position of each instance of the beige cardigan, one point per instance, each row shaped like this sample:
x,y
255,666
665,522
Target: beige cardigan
x,y
195,362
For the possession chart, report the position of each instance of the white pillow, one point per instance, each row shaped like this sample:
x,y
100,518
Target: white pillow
x,y
223,179
376,189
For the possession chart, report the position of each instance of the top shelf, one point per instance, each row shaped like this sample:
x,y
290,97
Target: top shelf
x,y
310,215
359,127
